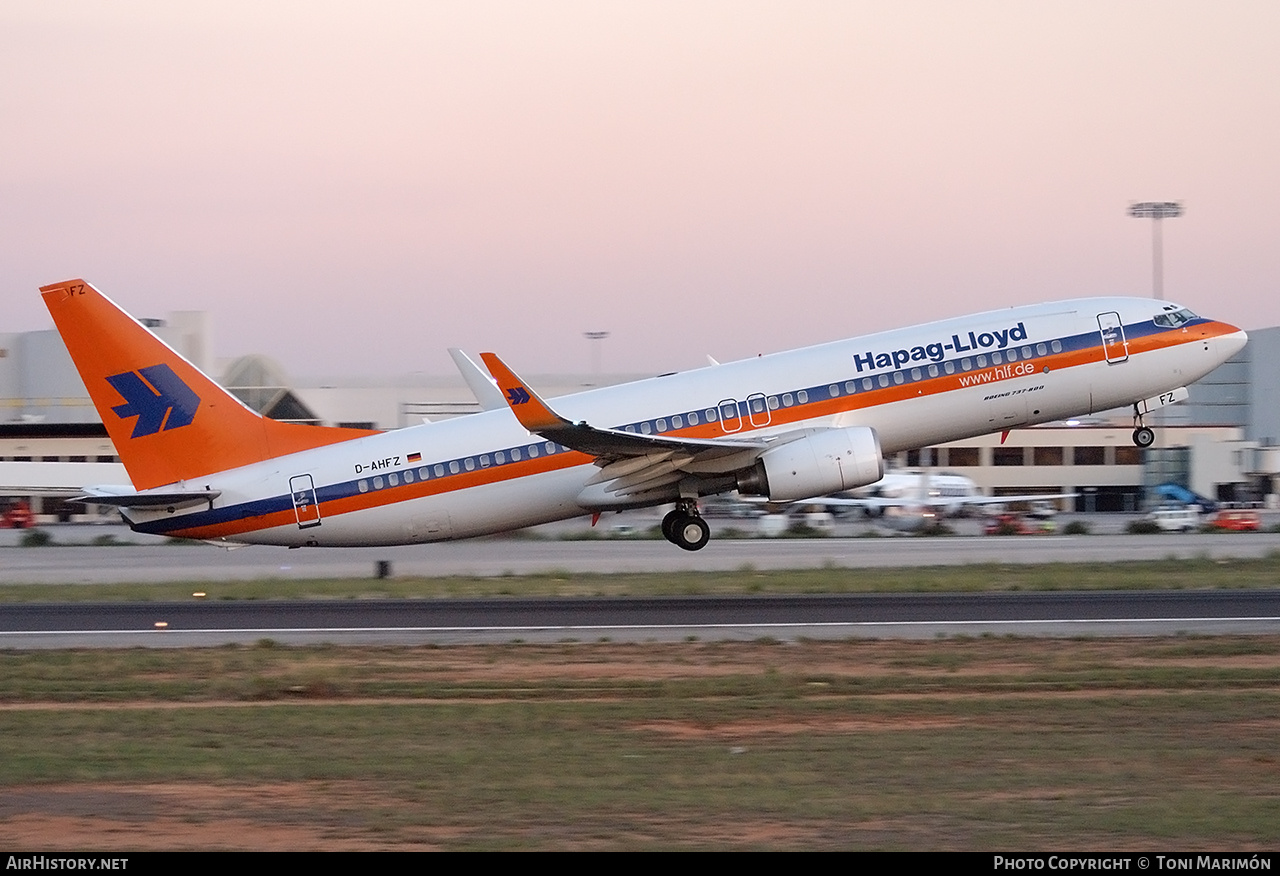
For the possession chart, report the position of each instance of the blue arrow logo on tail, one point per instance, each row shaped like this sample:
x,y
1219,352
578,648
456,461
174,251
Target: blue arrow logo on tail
x,y
518,395
162,401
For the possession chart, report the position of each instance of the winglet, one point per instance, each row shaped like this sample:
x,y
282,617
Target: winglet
x,y
532,412
481,384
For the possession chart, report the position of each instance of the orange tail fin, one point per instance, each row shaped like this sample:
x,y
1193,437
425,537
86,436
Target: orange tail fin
x,y
168,421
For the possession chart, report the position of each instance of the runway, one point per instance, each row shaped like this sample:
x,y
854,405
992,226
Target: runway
x,y
449,621
491,557
495,620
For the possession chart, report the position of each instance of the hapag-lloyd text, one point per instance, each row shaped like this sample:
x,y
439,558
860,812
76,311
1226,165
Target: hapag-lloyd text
x,y
937,351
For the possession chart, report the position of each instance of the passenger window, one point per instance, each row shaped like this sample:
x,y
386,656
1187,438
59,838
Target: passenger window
x,y
646,428
693,418
515,454
393,480
803,397
662,424
454,468
883,380
377,482
470,463
866,383
1057,346
439,471
533,451
897,377
1013,354
950,367
500,458
551,448
965,364
711,415
423,474
850,386
786,399
484,460
1026,352
995,358
982,361
1042,350
833,390
677,422
915,373
933,370
363,485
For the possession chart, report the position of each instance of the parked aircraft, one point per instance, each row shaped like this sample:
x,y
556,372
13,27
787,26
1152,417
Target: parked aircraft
x,y
787,426
908,500
911,499
946,493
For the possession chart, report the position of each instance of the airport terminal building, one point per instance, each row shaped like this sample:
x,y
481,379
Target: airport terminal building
x,y
1222,443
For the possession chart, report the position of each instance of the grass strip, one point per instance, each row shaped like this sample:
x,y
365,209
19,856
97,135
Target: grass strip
x,y
1170,574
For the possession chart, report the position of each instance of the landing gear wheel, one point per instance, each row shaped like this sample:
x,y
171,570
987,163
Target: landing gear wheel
x,y
1143,436
669,524
690,533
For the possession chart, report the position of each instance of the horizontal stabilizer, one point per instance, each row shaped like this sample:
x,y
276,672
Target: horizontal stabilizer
x,y
123,497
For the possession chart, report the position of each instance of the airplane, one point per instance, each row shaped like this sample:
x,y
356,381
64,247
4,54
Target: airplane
x,y
946,493
909,500
787,426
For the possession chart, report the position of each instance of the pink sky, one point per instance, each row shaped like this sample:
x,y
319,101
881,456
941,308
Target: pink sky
x,y
352,188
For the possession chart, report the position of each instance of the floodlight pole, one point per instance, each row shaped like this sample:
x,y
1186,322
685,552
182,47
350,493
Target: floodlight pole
x,y
1156,211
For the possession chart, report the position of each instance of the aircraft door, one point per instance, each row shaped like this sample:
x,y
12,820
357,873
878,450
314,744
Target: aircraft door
x,y
305,506
730,419
1114,344
758,409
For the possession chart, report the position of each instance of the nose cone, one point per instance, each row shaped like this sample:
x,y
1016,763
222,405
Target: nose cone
x,y
1232,341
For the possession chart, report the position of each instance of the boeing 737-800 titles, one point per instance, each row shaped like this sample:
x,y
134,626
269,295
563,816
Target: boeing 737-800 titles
x,y
788,426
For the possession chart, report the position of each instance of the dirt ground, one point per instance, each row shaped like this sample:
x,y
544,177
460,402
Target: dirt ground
x,y
318,815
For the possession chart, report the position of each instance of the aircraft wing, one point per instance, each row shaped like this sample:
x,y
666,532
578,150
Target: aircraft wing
x,y
630,463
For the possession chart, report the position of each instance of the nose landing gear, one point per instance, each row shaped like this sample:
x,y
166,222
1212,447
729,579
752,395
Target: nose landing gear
x,y
1143,435
685,528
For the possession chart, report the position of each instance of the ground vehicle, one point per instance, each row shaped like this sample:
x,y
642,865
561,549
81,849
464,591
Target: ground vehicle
x,y
1017,524
1176,518
17,516
1236,520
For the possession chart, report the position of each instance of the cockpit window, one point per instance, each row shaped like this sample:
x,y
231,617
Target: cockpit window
x,y
1174,318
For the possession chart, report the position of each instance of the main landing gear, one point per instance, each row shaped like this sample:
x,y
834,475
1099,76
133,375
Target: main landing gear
x,y
1143,436
685,528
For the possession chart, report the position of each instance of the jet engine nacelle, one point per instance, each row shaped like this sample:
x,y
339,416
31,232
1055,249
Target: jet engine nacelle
x,y
824,461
